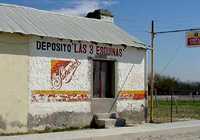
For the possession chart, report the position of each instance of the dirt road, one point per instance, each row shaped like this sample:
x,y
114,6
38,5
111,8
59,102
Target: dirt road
x,y
189,130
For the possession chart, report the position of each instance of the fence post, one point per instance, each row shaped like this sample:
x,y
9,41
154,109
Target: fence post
x,y
156,97
171,105
175,101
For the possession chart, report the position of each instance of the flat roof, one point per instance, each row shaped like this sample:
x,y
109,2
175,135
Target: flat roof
x,y
30,21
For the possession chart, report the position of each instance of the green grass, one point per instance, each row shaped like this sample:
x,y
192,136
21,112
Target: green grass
x,y
182,110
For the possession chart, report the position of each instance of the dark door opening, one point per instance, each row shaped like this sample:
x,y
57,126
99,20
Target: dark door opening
x,y
103,79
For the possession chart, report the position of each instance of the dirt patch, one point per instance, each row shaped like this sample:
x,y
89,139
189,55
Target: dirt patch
x,y
132,117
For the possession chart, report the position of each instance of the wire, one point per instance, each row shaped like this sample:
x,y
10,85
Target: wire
x,y
175,31
121,87
171,60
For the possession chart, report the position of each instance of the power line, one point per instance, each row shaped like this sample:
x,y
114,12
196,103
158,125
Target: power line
x,y
178,48
175,31
171,60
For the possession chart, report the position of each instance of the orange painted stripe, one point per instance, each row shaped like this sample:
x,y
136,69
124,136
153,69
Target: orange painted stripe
x,y
59,96
132,94
53,92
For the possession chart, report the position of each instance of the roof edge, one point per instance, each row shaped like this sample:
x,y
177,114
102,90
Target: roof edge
x,y
79,40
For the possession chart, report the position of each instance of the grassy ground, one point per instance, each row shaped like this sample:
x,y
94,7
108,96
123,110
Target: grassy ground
x,y
182,110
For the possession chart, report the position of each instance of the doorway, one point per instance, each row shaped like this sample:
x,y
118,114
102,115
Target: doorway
x,y
103,85
103,79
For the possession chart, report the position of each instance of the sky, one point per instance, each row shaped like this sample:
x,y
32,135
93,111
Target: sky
x,y
172,56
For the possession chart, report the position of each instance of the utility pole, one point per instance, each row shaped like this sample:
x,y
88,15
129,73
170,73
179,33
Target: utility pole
x,y
152,74
152,71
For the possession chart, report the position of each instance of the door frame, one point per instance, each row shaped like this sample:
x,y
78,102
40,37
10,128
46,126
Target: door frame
x,y
115,76
95,99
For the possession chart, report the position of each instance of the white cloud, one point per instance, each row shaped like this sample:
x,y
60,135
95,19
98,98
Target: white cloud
x,y
82,7
107,3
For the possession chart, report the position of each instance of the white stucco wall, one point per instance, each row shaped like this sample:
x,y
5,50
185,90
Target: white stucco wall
x,y
26,71
40,79
13,82
129,76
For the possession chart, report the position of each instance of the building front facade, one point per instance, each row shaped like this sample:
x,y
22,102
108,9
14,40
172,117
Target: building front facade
x,y
50,82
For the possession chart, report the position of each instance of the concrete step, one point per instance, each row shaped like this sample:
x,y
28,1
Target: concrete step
x,y
105,123
103,115
112,115
107,120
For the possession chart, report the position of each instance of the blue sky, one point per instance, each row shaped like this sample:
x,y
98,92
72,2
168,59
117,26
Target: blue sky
x,y
172,56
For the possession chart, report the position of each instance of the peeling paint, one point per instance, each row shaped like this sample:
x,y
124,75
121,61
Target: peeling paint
x,y
59,120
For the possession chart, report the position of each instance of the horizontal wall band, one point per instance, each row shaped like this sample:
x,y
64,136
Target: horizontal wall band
x,y
132,94
59,92
76,95
43,96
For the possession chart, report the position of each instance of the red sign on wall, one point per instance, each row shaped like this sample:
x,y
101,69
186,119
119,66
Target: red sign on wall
x,y
193,39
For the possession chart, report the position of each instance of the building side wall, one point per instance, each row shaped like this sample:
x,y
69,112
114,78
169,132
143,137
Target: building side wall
x,y
14,83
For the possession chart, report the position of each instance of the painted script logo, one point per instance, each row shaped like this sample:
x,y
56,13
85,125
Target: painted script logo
x,y
62,72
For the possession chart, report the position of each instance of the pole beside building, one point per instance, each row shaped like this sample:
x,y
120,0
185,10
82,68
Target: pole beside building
x,y
152,71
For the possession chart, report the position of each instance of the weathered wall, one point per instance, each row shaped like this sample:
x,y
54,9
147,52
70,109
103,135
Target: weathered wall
x,y
52,88
60,80
131,86
59,87
14,83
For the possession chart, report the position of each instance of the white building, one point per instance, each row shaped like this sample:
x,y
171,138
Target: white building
x,y
57,70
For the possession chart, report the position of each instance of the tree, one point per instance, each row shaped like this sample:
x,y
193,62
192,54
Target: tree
x,y
165,84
